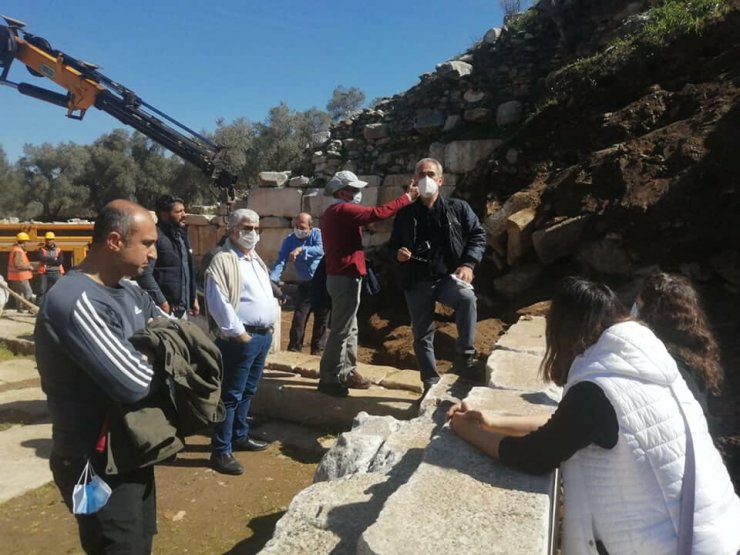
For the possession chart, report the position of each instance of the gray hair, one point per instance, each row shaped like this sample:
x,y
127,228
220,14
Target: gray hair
x,y
243,214
433,161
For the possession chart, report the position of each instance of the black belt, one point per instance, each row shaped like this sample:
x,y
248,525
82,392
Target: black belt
x,y
260,330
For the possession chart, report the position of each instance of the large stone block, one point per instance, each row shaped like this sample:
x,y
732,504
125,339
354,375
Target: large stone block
x,y
314,202
492,35
509,113
477,115
375,131
437,151
269,247
298,181
370,196
371,180
429,121
526,336
273,179
558,240
387,194
318,139
463,156
495,223
472,96
454,69
269,222
519,227
400,180
284,201
503,511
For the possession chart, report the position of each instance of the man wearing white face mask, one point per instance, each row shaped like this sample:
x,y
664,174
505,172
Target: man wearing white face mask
x,y
341,227
438,242
305,250
242,312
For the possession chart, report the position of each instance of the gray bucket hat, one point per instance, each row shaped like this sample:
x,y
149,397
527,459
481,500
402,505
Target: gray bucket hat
x,y
342,179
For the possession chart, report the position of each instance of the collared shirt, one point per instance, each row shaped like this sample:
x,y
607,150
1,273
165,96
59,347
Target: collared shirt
x,y
306,262
257,306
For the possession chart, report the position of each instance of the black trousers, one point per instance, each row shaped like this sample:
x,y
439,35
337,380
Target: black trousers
x,y
303,308
127,523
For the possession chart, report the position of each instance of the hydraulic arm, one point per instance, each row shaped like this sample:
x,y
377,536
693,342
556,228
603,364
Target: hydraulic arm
x,y
87,87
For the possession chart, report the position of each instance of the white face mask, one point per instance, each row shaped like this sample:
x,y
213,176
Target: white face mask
x,y
428,187
248,239
301,233
634,311
357,199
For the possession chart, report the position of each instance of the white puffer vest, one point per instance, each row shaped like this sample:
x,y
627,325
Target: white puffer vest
x,y
629,497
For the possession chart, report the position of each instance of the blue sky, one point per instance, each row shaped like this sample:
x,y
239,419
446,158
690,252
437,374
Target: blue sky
x,y
199,61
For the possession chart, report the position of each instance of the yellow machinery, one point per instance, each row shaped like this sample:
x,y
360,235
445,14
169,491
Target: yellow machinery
x,y
73,238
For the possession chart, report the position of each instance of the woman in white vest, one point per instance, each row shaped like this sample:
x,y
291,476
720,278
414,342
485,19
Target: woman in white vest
x,y
640,471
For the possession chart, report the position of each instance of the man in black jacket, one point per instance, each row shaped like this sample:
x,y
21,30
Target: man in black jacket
x,y
438,243
171,281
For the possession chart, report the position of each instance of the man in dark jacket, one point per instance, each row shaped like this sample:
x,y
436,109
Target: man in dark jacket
x,y
438,242
171,281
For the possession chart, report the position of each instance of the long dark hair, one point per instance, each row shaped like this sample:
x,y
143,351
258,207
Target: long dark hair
x,y
670,305
579,313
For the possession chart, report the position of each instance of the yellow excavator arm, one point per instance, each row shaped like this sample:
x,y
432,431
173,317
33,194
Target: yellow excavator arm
x,y
87,87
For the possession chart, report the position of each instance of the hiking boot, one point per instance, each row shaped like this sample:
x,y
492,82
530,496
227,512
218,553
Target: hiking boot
x,y
250,444
356,381
225,463
333,389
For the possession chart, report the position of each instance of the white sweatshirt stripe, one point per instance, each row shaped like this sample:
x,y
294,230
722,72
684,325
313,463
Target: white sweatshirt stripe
x,y
110,345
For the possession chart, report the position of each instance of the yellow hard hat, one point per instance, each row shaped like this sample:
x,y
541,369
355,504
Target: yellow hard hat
x,y
49,235
22,236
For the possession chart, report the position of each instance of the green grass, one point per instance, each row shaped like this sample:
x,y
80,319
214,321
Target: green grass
x,y
665,23
521,21
5,353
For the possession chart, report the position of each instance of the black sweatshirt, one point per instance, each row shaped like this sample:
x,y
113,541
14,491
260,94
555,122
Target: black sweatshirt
x,y
584,416
85,358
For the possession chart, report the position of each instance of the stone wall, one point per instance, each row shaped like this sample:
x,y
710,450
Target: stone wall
x,y
393,486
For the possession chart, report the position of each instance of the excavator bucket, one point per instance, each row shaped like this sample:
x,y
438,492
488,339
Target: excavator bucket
x,y
14,23
8,47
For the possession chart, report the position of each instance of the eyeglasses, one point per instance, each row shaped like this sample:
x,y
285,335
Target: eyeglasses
x,y
250,228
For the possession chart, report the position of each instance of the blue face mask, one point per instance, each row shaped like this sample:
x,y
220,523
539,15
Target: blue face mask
x,y
634,311
90,494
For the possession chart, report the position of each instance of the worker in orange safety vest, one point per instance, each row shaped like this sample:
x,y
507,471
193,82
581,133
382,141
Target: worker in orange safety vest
x,y
50,263
20,271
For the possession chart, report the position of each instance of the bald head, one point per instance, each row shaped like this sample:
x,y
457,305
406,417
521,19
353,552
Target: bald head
x,y
303,221
120,216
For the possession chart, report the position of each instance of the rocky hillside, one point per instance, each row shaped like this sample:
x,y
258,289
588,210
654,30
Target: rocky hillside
x,y
597,137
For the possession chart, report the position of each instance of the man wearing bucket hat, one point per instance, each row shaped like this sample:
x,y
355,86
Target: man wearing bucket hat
x,y
20,271
341,229
50,263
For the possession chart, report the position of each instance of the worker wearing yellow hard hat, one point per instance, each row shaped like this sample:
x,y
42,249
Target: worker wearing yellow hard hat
x,y
50,263
20,270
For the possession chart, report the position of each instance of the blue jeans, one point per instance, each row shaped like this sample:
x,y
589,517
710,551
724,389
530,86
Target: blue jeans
x,y
243,365
420,300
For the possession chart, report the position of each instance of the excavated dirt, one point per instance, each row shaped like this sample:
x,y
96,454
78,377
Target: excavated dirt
x,y
202,512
